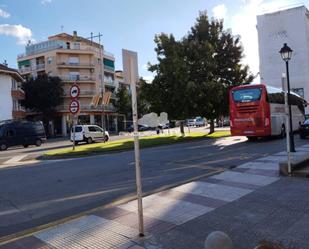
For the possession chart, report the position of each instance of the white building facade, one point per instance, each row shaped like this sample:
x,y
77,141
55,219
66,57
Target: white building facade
x,y
289,26
11,94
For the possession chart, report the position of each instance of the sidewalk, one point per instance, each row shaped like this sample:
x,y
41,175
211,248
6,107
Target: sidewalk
x,y
250,203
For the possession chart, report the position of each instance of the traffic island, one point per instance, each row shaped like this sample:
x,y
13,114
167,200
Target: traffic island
x,y
128,144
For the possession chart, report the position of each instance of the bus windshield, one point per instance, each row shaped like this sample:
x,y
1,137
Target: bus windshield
x,y
247,95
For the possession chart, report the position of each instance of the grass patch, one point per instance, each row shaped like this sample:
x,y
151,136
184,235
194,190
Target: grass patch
x,y
128,144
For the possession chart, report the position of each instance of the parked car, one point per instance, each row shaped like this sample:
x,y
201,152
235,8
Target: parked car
x,y
88,134
190,122
164,126
140,128
13,133
199,122
304,129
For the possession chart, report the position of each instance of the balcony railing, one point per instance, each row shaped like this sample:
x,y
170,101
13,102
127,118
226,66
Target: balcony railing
x,y
83,93
79,78
19,108
40,66
108,54
79,65
25,70
43,50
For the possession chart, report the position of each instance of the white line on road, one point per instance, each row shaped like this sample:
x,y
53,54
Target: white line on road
x,y
15,159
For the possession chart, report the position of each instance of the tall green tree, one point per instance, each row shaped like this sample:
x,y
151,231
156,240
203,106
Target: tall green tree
x,y
43,94
123,103
194,74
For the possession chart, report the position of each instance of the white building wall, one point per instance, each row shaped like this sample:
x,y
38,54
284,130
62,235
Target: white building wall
x,y
6,102
289,26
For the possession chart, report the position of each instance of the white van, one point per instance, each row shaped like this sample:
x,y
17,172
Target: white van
x,y
88,134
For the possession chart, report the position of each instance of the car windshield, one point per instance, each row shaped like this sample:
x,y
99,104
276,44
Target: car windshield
x,y
247,95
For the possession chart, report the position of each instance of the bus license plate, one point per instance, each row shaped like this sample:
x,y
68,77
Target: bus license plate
x,y
248,132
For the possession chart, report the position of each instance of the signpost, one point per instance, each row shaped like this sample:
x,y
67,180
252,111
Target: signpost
x,y
129,59
74,107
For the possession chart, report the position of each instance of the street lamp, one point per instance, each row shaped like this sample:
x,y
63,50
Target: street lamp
x,y
286,54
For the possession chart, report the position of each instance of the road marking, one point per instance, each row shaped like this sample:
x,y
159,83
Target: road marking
x,y
16,159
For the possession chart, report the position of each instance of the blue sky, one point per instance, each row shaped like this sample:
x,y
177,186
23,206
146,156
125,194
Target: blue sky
x,y
129,24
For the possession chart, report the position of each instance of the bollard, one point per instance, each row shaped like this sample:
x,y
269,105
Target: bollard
x,y
218,240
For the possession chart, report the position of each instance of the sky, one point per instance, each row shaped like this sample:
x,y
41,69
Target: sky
x,y
129,24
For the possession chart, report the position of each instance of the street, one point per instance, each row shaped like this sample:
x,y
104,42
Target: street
x,y
36,194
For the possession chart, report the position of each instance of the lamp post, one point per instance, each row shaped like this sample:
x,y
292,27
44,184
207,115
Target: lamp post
x,y
286,54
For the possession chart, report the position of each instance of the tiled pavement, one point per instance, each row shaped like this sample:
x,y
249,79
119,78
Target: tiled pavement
x,y
163,212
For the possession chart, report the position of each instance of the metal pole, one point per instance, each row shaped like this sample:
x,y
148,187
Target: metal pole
x,y
74,124
102,85
292,146
287,123
137,159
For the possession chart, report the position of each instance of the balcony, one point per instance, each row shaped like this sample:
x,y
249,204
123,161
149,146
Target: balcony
x,y
40,66
17,93
59,49
24,70
88,108
109,81
77,78
75,65
108,54
109,69
18,112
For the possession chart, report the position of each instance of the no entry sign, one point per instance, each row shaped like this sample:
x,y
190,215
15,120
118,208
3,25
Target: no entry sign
x,y
74,107
74,91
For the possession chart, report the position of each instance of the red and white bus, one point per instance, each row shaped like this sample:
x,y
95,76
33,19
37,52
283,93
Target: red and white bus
x,y
258,110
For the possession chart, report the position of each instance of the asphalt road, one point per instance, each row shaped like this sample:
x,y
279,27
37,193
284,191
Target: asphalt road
x,y
32,195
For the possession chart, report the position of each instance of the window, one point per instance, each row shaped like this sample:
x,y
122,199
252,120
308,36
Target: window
x,y
92,128
14,84
10,133
98,129
247,95
299,91
74,60
68,45
49,60
76,45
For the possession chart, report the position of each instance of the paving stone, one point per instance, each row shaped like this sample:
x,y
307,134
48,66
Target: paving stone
x,y
245,178
215,191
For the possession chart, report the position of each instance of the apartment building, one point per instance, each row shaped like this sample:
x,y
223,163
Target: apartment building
x,y
289,26
75,60
11,94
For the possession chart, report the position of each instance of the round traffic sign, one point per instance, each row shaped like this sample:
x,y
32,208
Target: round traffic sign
x,y
74,107
74,91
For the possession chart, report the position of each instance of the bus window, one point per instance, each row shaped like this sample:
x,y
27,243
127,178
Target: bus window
x,y
247,95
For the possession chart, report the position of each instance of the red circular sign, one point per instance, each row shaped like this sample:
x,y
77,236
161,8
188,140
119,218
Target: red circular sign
x,y
74,91
74,107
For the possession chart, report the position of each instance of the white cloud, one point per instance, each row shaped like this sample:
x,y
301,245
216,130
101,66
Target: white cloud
x,y
22,33
45,1
244,24
4,14
219,11
148,78
145,66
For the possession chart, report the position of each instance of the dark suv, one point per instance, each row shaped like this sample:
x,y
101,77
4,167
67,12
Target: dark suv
x,y
13,133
